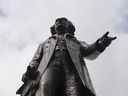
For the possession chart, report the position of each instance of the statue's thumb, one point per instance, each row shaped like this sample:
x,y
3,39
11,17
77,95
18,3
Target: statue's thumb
x,y
113,38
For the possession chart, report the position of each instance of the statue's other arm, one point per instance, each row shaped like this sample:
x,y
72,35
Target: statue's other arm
x,y
33,65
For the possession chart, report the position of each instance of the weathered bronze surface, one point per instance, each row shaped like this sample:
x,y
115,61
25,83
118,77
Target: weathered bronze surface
x,y
59,63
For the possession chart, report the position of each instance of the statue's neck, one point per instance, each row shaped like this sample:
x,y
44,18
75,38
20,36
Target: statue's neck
x,y
63,35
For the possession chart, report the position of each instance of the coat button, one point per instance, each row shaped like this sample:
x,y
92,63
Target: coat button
x,y
48,41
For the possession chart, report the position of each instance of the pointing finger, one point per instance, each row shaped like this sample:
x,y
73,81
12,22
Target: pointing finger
x,y
105,35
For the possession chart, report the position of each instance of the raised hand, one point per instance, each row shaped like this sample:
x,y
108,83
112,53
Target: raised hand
x,y
104,41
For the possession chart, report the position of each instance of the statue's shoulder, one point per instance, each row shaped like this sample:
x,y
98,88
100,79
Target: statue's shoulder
x,y
83,43
49,39
42,43
75,39
71,37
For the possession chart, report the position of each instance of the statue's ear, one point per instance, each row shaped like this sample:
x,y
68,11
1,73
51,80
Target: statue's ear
x,y
52,29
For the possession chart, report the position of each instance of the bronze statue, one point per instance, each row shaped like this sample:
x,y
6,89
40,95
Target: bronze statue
x,y
58,67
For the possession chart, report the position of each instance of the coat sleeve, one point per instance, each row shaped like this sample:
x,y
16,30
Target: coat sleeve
x,y
33,65
89,51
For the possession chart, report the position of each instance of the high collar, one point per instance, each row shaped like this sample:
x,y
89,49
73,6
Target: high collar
x,y
66,35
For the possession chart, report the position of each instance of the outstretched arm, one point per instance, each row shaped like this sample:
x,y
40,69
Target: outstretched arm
x,y
89,51
93,50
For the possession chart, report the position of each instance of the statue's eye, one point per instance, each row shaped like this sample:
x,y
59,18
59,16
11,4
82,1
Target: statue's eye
x,y
57,20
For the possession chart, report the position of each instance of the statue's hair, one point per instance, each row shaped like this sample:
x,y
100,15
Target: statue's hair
x,y
71,28
52,29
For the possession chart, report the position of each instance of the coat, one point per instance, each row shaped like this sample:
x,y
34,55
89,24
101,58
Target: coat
x,y
77,51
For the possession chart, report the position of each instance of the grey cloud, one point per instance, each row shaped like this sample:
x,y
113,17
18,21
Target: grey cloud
x,y
121,24
2,14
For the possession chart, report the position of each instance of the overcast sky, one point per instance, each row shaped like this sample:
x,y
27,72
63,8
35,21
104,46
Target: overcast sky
x,y
25,23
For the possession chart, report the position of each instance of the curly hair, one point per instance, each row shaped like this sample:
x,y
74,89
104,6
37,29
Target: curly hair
x,y
71,28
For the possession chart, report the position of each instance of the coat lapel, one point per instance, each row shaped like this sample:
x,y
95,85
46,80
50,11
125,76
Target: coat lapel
x,y
74,51
48,50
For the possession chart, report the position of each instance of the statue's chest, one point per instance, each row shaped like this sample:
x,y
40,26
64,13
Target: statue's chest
x,y
72,45
61,44
67,44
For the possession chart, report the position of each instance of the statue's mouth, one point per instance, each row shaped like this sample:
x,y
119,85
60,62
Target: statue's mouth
x,y
61,28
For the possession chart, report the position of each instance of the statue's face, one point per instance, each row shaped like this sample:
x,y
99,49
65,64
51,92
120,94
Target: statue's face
x,y
61,25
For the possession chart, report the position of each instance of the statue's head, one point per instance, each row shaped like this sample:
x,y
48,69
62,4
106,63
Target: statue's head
x,y
63,25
